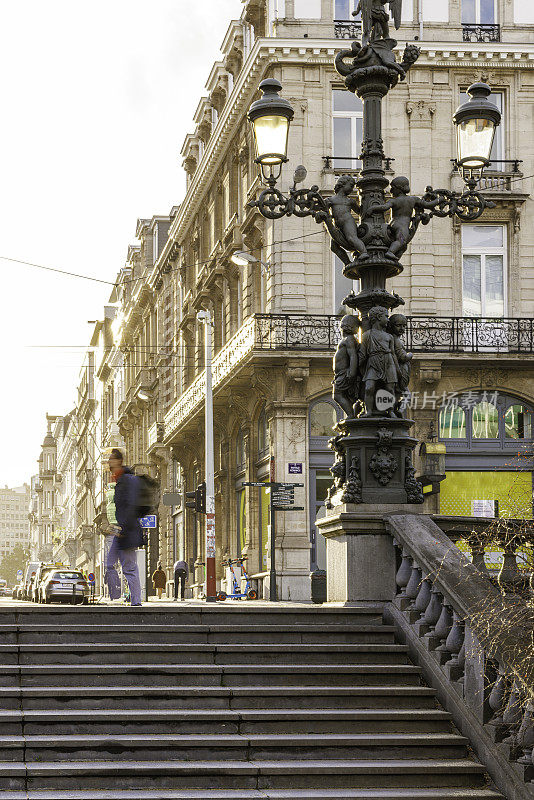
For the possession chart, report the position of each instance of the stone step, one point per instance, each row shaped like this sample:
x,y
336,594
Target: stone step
x,y
152,747
241,774
80,675
215,634
102,653
256,794
245,722
202,697
243,613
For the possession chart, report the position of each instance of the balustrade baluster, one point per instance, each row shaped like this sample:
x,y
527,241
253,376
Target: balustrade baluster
x,y
413,585
443,628
431,618
513,713
525,735
423,597
455,640
498,698
403,575
477,554
510,579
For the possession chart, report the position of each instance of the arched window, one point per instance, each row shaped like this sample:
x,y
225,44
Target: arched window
x,y
323,417
452,423
485,421
518,422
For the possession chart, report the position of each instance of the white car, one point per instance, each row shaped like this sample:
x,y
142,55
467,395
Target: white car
x,y
64,584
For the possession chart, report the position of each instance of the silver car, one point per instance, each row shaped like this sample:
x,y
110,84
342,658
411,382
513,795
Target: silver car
x,y
64,584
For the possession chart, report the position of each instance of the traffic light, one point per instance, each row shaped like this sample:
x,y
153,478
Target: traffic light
x,y
196,500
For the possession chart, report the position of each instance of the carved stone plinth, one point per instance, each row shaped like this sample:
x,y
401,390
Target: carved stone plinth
x,y
374,463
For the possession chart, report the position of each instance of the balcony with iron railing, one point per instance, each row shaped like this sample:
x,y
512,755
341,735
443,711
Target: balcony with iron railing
x,y
480,32
349,164
501,175
319,333
347,28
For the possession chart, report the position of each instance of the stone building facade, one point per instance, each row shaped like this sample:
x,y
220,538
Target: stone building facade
x,y
469,289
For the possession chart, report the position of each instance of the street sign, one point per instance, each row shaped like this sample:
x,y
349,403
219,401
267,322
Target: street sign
x,y
286,485
295,469
288,508
256,483
91,577
210,535
172,499
149,521
19,574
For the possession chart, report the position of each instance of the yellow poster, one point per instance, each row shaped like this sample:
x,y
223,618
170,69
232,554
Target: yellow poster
x,y
242,519
264,522
463,494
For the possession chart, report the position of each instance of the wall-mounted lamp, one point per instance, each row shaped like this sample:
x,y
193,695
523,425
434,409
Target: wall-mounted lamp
x,y
242,259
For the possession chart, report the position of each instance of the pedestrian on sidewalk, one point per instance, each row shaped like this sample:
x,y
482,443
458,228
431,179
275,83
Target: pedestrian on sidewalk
x,y
128,534
181,573
159,579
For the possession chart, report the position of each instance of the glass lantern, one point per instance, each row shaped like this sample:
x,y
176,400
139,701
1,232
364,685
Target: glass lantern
x,y
476,122
270,117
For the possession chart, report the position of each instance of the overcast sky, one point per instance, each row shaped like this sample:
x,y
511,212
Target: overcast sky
x,y
96,100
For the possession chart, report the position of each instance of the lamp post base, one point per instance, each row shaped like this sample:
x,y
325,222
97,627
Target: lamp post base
x,y
374,463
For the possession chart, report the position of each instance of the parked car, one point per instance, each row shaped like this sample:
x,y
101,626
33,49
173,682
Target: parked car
x,y
31,569
17,590
41,573
64,584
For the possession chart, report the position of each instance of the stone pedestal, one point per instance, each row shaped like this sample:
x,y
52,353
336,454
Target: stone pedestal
x,y
375,462
360,555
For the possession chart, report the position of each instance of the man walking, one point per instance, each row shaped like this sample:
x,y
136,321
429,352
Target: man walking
x,y
128,534
181,574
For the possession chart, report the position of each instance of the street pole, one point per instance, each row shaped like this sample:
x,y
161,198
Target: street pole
x,y
272,575
211,585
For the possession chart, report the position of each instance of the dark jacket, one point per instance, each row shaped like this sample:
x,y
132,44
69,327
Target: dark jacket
x,y
181,566
126,497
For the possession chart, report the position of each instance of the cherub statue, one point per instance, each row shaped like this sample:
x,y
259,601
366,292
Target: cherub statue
x,y
379,361
345,228
375,19
407,211
346,383
397,327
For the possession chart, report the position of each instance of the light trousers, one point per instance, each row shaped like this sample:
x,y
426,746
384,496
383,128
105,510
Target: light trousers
x,y
128,562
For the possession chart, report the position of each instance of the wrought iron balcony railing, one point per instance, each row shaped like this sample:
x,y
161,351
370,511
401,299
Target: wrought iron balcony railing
x,y
320,333
479,32
347,29
350,163
470,335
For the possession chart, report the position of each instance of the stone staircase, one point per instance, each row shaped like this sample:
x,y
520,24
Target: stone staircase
x,y
239,702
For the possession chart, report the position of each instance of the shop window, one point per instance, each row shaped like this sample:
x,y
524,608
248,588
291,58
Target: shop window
x,y
323,417
347,111
518,423
483,256
452,423
485,421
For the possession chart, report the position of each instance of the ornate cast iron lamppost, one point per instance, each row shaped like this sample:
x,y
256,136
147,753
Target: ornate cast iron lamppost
x,y
373,445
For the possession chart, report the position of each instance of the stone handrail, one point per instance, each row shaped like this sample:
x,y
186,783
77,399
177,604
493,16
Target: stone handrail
x,y
477,633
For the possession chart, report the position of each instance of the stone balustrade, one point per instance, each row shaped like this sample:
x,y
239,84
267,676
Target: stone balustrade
x,y
474,633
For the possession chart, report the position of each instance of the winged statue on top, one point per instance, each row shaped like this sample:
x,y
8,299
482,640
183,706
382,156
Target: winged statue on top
x,y
375,18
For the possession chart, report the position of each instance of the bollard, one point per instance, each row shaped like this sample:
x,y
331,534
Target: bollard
x,y
318,586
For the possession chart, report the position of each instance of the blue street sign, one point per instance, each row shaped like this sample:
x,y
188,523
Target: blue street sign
x,y
149,521
19,574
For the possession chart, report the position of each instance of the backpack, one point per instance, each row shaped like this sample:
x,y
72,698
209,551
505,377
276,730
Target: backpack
x,y
147,495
